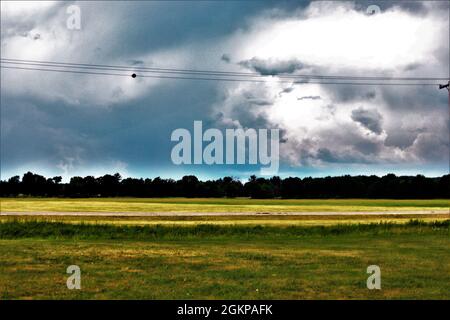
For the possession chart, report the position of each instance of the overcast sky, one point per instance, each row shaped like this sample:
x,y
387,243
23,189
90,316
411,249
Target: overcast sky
x,y
72,124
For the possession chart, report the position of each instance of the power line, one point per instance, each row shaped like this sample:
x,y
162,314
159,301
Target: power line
x,y
206,72
67,71
218,79
141,76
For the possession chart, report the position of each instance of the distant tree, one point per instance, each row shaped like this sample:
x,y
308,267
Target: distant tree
x,y
189,186
388,186
14,180
57,179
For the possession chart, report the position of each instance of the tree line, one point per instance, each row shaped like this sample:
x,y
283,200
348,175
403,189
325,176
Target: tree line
x,y
346,186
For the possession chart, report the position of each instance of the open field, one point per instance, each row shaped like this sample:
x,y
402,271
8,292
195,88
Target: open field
x,y
226,220
249,249
226,262
214,205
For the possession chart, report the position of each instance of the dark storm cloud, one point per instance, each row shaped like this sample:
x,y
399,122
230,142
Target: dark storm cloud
x,y
335,134
56,134
412,67
256,99
136,62
272,67
415,99
351,93
62,126
413,7
349,141
330,156
371,95
309,98
150,26
286,90
370,119
431,146
76,132
36,133
225,57
247,114
401,138
333,147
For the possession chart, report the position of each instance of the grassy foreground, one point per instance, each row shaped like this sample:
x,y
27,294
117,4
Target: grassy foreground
x,y
224,261
216,205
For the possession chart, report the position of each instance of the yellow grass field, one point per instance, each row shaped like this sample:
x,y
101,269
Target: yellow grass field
x,y
239,205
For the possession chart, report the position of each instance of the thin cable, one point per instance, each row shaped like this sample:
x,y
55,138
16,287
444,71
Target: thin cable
x,y
224,73
217,73
219,79
147,76
68,71
141,76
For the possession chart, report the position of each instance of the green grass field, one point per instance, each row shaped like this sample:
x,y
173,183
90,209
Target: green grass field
x,y
216,205
224,257
224,262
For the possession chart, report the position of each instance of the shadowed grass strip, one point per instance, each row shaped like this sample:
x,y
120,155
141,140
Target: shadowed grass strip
x,y
16,229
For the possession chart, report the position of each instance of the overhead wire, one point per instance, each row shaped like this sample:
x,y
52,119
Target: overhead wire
x,y
224,73
191,74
